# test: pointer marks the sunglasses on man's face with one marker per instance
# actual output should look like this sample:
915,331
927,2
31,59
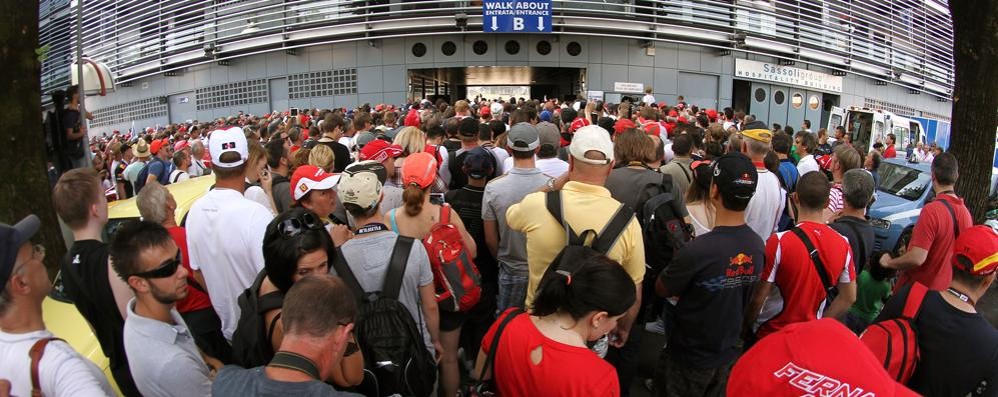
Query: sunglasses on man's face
164,270
293,227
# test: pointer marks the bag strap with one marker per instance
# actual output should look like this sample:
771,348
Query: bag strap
862,245
914,302
343,270
815,258
952,215
613,229
273,324
553,202
491,358
444,214
396,267
36,352
686,171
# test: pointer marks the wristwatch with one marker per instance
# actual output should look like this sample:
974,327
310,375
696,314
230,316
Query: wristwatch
551,185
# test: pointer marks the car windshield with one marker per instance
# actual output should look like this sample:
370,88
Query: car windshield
905,182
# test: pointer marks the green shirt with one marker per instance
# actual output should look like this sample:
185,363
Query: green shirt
870,297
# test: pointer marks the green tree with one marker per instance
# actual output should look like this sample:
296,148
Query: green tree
975,98
24,184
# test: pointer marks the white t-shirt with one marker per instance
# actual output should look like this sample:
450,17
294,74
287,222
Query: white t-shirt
225,242
257,194
197,168
807,164
61,371
766,205
179,176
501,157
648,99
552,167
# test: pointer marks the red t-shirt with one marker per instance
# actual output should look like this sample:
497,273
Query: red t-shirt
196,299
789,268
564,370
934,233
890,153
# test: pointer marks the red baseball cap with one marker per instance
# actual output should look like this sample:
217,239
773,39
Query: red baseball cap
308,178
420,169
711,114
485,111
158,144
976,250
622,125
379,150
807,359
181,145
412,119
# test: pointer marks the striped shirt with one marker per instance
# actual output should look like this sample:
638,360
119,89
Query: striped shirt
835,200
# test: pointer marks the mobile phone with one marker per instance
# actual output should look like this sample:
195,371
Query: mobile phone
294,112
437,198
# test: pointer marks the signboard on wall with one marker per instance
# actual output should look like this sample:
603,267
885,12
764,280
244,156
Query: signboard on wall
593,96
516,16
788,75
628,88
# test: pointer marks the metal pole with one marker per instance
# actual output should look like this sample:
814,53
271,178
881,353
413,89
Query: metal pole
79,75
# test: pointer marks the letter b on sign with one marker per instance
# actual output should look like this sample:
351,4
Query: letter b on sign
517,23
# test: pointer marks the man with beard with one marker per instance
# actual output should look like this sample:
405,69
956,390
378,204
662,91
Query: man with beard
165,360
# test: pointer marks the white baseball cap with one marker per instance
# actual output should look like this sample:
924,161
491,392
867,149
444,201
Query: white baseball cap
591,138
496,109
225,140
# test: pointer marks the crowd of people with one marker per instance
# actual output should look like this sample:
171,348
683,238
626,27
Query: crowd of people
516,247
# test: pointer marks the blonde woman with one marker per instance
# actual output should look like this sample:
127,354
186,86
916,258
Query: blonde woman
258,178
322,156
412,140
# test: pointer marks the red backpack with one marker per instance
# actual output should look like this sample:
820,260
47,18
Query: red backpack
455,277
894,341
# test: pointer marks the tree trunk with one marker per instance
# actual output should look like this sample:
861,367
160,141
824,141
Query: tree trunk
24,183
975,98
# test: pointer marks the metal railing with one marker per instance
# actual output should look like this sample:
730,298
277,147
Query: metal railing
904,42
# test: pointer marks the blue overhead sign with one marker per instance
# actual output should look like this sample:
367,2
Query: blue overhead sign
516,16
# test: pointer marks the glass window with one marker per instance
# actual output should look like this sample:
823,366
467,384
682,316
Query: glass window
797,100
813,102
779,97
905,182
760,95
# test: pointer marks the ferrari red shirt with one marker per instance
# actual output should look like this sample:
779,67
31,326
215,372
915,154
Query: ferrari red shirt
934,233
196,299
799,293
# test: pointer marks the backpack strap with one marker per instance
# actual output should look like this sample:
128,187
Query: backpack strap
914,302
613,229
685,170
552,201
396,267
273,324
862,245
36,352
491,358
444,214
343,270
952,214
819,266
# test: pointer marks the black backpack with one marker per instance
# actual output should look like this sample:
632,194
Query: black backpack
391,341
251,345
579,246
663,228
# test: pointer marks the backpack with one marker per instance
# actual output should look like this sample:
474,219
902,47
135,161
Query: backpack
162,178
663,229
251,346
789,214
894,341
391,341
589,243
456,279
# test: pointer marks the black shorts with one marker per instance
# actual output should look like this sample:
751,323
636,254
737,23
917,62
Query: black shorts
450,321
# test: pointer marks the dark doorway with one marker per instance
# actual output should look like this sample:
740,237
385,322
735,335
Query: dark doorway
462,83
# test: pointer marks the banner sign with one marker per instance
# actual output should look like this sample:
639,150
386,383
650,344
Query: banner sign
788,75
516,16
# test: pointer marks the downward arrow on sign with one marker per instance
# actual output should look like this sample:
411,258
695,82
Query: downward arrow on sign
495,26
540,24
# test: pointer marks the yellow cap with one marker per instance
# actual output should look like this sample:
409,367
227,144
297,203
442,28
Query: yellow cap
760,135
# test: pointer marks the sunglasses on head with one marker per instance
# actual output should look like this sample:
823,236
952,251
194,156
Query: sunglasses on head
292,227
164,270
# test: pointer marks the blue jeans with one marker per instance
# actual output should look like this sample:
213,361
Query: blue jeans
512,290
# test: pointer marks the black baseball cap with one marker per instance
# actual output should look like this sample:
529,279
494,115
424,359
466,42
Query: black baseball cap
468,127
735,177
11,240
